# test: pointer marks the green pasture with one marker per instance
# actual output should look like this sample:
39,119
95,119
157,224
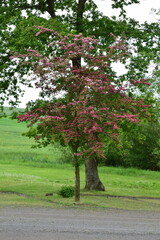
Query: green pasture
27,174
17,148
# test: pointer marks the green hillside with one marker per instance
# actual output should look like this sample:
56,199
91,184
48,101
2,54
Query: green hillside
15,148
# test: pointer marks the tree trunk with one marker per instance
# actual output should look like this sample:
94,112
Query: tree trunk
92,179
77,173
50,8
77,183
80,12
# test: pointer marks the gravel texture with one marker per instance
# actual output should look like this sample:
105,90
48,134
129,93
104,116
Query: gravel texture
77,224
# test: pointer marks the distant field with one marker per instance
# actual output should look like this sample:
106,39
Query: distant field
9,110
34,172
17,148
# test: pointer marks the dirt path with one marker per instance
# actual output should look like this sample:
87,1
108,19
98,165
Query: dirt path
74,224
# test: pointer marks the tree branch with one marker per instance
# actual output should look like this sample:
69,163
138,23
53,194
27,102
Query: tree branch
50,8
47,6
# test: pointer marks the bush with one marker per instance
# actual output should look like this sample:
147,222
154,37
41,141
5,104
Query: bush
67,191
138,149
145,154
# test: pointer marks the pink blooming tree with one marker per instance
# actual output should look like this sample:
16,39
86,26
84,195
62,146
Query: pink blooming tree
93,104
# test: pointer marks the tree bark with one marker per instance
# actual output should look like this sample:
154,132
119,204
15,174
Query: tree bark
93,181
77,172
50,8
77,181
80,11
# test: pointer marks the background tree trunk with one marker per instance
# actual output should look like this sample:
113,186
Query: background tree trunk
92,178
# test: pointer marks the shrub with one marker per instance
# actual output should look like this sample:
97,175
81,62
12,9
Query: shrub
145,154
67,191
139,149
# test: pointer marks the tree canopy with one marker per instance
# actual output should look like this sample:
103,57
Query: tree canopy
19,17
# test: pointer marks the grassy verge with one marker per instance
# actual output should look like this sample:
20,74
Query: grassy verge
35,172
36,182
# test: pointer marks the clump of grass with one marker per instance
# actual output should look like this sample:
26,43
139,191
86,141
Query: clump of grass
67,191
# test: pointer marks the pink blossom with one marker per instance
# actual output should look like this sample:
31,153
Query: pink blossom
54,117
78,35
92,112
133,120
90,108
12,57
38,33
103,109
148,84
95,116
78,154
84,112
115,126
49,64
85,41
88,79
109,123
85,130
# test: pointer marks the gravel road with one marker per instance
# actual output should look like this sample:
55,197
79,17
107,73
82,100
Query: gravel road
76,224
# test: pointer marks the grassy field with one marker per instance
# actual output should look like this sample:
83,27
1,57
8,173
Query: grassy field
16,148
35,172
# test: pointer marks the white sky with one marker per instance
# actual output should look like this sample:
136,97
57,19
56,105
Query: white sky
140,12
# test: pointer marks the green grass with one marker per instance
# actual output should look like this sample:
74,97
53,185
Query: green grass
36,182
35,172
17,148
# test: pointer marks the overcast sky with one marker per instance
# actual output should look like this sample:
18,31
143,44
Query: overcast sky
140,12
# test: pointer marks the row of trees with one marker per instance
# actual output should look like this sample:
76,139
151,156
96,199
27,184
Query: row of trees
140,148
95,102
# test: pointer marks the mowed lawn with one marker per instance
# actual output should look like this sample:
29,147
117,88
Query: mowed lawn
33,173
